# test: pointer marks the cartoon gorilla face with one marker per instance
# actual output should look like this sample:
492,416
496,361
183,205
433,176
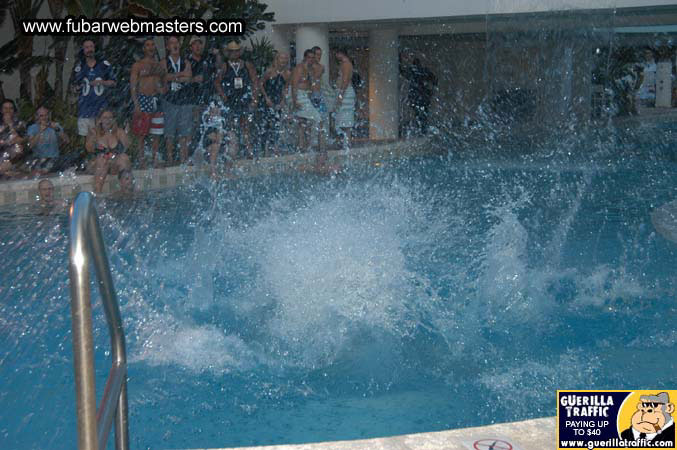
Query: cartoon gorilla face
651,416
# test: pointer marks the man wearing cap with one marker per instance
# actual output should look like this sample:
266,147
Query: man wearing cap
237,86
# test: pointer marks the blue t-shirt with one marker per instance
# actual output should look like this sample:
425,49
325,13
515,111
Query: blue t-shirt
92,99
48,145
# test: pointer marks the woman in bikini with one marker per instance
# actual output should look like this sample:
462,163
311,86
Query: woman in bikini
106,143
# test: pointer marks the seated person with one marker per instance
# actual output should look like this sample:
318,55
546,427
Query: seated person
12,138
43,140
214,125
107,144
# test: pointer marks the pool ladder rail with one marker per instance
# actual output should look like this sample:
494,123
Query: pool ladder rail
86,242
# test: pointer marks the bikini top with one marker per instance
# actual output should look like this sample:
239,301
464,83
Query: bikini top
118,148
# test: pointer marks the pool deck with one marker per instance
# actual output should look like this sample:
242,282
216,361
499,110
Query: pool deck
535,434
67,185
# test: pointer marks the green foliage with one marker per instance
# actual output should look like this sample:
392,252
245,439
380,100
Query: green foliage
123,51
26,110
261,54
664,52
619,74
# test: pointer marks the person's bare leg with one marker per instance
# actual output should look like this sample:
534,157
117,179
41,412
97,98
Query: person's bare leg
183,149
214,146
233,144
302,135
276,140
267,147
244,128
233,149
141,151
169,148
121,162
347,137
321,160
155,146
101,167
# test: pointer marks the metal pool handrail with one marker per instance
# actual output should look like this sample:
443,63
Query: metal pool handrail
86,242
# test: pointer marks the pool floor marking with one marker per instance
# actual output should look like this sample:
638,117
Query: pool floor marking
487,444
490,443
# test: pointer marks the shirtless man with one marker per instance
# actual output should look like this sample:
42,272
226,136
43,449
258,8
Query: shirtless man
317,72
301,90
147,82
344,105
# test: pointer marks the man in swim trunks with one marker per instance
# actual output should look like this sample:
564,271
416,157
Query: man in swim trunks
344,105
302,82
317,71
147,82
317,97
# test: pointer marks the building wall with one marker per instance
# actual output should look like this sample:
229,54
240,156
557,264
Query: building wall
316,11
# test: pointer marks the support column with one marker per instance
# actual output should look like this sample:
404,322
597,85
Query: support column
664,84
308,36
383,84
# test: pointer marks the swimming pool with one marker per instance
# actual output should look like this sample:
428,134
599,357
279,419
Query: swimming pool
408,297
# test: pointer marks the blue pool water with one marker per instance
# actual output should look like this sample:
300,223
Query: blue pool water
403,298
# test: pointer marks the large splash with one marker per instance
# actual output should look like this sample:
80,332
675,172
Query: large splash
344,269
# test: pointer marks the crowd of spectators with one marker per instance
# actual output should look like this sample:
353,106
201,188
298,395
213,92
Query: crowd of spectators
204,106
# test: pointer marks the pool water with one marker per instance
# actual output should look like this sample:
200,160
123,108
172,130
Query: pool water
409,297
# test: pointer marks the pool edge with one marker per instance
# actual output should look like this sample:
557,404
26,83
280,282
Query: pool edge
533,434
67,185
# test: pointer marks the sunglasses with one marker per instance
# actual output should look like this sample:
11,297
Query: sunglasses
651,404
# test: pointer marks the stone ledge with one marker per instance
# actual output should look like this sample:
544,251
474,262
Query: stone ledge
66,186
